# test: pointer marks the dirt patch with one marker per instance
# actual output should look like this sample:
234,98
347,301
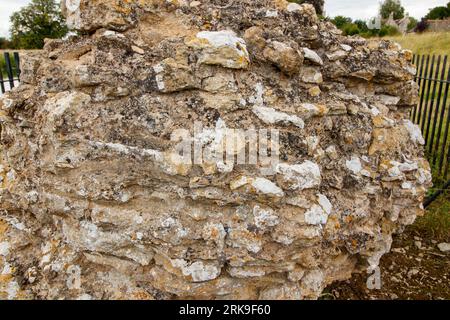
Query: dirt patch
415,269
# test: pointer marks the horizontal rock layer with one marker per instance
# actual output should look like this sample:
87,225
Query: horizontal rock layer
96,204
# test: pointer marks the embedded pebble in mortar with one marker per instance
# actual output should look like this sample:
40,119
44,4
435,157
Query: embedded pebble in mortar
159,78
414,132
325,203
286,58
258,99
354,165
236,272
300,176
4,248
308,110
291,7
197,270
271,13
271,116
312,56
264,186
313,282
311,75
316,215
237,183
221,48
265,218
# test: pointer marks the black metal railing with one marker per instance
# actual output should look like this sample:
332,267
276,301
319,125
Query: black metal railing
432,114
9,71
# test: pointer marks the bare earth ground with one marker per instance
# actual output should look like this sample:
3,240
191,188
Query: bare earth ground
415,269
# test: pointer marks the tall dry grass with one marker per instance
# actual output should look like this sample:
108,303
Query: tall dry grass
425,43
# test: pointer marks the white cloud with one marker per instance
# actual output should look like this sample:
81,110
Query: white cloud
8,7
366,9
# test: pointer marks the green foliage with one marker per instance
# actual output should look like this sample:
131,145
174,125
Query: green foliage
340,21
436,223
2,65
362,25
438,13
388,31
350,29
389,6
359,27
32,24
5,44
412,23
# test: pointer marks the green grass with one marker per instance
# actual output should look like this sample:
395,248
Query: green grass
425,43
438,177
436,223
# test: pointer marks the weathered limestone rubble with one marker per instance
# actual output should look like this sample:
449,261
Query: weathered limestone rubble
318,5
95,205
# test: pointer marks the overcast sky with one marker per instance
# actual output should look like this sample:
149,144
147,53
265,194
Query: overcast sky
363,9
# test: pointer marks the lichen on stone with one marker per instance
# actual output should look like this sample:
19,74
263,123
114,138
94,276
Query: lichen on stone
100,199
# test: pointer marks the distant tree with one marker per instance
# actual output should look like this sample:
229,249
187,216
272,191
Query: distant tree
340,21
39,20
388,31
389,6
438,13
5,43
422,26
350,29
362,25
412,23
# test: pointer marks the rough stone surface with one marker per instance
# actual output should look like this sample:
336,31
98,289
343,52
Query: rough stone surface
95,205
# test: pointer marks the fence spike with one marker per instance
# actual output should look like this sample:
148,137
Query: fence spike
427,96
440,114
2,85
9,71
416,116
444,144
17,64
431,110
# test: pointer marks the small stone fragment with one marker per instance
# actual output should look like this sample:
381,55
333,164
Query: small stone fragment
271,116
300,176
137,50
312,56
284,57
311,75
222,48
444,247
